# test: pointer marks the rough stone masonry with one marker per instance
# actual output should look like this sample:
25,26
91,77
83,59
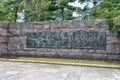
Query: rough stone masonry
13,39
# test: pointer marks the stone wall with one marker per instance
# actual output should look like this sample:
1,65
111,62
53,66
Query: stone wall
3,38
16,38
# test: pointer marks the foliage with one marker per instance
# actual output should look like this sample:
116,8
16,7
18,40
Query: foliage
5,13
109,9
116,23
35,10
32,9
61,10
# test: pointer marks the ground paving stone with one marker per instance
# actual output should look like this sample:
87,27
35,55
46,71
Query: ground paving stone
37,71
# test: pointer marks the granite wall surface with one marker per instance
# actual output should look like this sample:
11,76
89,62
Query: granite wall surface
13,39
3,38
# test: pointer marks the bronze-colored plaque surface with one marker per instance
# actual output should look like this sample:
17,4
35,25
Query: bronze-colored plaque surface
67,40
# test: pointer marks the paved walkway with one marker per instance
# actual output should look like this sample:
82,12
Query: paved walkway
36,71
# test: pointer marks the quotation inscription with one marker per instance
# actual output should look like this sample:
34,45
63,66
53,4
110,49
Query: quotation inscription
68,40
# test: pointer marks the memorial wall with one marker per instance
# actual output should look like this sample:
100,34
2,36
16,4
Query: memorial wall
67,40
64,39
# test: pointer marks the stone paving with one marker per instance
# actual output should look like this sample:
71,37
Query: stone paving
37,71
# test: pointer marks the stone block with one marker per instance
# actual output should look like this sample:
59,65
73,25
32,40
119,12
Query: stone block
39,26
27,26
27,53
3,49
14,32
10,52
118,49
0,52
41,54
78,24
3,25
101,30
39,29
111,34
44,50
90,23
99,56
101,52
81,54
111,40
60,24
84,51
15,26
113,57
112,48
17,40
67,24
3,52
3,39
67,55
99,22
105,26
24,31
14,46
91,51
74,51
3,32
85,56
48,26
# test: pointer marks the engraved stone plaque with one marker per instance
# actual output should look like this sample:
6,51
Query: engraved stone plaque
67,40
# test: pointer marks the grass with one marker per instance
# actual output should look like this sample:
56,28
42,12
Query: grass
85,61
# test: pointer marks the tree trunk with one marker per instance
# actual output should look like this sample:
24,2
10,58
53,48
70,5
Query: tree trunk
16,16
62,13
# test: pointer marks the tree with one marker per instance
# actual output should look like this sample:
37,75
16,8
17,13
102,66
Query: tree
5,13
65,11
10,10
34,8
60,10
2,10
116,23
110,10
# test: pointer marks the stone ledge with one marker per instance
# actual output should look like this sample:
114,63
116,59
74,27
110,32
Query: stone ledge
62,63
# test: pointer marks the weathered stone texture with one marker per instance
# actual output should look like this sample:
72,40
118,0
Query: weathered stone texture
3,38
13,39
